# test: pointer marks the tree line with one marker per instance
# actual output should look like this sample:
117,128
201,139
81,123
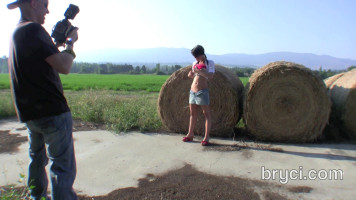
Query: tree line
322,73
110,68
3,65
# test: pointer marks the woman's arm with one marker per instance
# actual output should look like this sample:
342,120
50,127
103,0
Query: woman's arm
191,74
205,73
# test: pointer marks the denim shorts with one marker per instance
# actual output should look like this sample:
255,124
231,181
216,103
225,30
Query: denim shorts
200,98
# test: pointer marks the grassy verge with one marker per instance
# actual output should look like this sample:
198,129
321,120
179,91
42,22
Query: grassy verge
119,111
7,108
122,102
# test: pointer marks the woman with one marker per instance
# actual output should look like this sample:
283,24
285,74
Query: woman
202,71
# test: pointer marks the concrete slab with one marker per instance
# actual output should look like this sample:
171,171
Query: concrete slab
108,161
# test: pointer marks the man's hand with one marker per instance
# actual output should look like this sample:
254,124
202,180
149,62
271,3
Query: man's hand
62,62
73,35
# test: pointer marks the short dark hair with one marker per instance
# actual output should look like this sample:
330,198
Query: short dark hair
197,51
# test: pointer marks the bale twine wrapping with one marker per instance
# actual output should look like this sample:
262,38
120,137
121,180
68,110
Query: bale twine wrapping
225,93
343,96
286,102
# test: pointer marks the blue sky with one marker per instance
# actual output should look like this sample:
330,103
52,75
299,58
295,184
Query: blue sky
322,27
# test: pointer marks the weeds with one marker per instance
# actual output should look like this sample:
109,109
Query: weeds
121,112
7,108
11,192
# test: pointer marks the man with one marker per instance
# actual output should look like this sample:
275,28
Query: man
34,64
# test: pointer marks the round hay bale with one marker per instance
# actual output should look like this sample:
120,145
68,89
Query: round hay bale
225,92
343,96
286,102
329,81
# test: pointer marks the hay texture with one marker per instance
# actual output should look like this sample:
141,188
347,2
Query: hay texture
329,81
286,102
225,94
342,92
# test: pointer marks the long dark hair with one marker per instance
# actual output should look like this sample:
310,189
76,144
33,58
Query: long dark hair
199,50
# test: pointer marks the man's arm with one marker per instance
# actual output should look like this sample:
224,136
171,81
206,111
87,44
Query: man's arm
62,62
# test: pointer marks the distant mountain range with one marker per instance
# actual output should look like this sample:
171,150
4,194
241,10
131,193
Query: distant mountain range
183,56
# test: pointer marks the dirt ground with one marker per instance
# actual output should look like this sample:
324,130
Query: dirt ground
183,183
10,142
188,183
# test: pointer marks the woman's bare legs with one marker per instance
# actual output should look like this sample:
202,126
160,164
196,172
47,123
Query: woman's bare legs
192,120
207,114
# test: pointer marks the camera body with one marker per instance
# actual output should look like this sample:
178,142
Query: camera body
64,27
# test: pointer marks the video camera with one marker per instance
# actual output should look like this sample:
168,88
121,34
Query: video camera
64,27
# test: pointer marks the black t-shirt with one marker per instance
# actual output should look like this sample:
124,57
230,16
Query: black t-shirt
36,86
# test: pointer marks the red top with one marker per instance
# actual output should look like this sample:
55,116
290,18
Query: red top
200,66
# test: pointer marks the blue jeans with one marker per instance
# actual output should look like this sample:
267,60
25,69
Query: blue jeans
55,133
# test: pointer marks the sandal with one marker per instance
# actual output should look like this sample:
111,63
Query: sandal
205,143
187,139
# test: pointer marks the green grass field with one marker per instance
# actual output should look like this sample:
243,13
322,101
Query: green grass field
4,81
122,102
122,82
150,83
119,82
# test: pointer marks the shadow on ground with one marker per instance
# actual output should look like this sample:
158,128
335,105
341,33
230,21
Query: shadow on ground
9,143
